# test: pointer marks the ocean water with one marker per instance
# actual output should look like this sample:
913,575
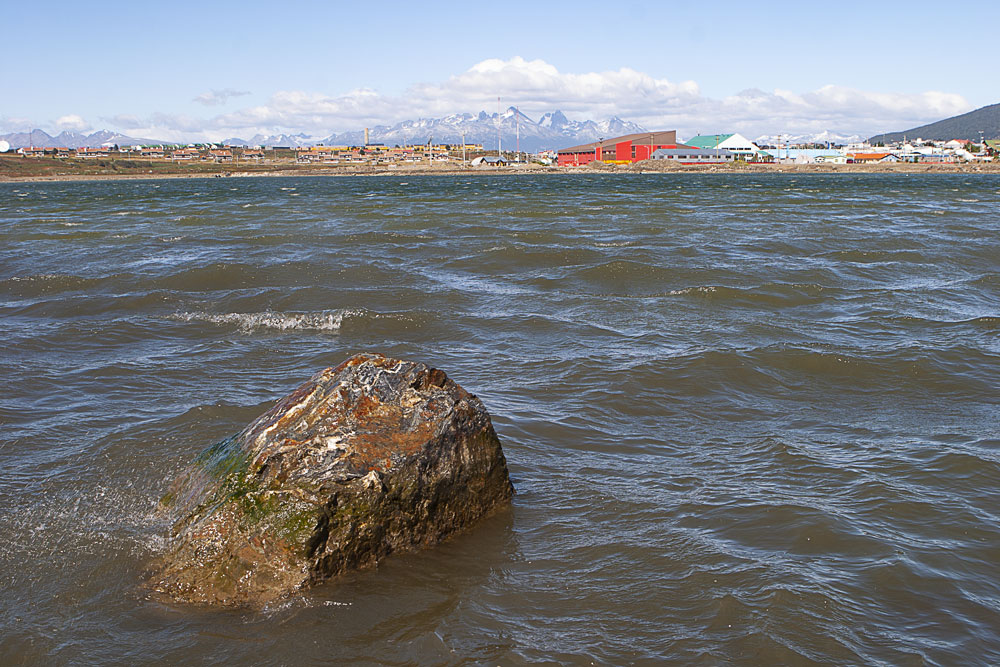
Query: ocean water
750,419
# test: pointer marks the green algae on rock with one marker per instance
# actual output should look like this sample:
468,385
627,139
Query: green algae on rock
375,456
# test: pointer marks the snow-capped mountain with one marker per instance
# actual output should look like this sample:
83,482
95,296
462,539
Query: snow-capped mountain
513,128
289,140
825,137
72,139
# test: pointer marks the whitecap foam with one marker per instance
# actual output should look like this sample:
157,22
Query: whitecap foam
41,277
249,322
703,289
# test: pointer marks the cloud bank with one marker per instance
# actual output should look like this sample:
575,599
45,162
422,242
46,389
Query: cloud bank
536,87
72,123
218,97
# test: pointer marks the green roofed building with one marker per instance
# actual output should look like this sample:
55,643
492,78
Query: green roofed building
740,146
707,141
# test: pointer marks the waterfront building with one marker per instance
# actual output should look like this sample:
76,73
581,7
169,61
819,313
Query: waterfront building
865,158
693,155
808,155
619,150
741,147
86,153
489,161
185,154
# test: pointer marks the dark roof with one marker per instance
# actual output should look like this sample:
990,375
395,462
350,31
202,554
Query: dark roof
691,151
662,137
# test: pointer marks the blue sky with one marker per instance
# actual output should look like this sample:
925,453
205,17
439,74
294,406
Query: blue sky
214,69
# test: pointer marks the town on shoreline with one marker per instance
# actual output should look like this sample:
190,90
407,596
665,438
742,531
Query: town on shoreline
635,153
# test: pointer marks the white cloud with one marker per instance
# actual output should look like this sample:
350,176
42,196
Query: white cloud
164,127
836,108
125,121
537,87
217,97
16,124
72,123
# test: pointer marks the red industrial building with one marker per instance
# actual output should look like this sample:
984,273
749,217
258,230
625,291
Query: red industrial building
619,150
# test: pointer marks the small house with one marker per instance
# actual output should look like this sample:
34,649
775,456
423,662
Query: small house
868,158
489,161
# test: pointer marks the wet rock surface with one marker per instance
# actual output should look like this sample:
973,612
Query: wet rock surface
373,457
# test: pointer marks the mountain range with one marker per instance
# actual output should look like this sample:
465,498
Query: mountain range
514,129
826,137
43,139
966,126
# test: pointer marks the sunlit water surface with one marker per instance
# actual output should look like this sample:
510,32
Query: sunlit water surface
750,419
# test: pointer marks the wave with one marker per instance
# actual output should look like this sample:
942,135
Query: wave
988,322
769,294
878,256
323,321
802,373
50,283
277,321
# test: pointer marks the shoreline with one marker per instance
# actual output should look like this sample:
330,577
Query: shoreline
438,170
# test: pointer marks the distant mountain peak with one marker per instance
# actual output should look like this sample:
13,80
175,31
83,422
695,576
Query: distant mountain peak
555,120
552,131
824,137
67,139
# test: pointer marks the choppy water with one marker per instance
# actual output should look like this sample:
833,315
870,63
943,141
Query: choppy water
751,419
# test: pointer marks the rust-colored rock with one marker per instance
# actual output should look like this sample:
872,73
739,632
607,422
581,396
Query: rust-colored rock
375,456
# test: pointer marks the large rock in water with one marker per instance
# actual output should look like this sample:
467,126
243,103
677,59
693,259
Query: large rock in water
375,456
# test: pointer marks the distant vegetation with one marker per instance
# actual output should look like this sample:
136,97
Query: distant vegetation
16,166
967,126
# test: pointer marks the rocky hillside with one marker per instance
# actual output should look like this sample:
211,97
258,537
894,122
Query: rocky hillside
967,126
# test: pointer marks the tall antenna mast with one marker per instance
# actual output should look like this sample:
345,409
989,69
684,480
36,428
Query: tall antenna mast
499,126
517,121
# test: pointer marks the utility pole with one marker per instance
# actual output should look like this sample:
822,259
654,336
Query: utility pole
499,127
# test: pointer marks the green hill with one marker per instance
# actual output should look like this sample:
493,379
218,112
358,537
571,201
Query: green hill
967,126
